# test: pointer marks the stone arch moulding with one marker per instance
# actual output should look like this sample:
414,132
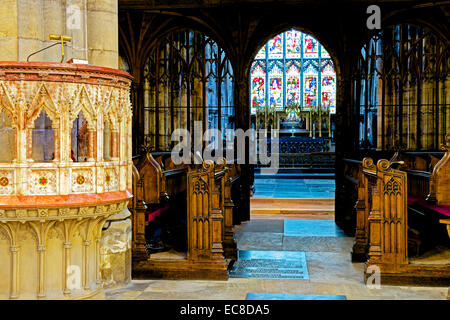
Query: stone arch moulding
8,105
111,110
42,101
83,103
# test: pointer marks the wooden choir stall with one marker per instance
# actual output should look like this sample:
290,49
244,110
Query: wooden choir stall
402,208
191,208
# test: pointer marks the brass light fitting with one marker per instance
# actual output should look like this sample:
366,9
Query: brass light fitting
62,39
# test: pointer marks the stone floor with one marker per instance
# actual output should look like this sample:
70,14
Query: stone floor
330,270
294,188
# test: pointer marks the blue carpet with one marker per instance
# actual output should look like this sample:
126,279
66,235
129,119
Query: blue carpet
290,296
295,188
312,228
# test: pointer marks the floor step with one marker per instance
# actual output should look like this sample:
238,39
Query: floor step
273,206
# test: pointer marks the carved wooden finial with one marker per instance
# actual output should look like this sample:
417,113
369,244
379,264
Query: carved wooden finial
446,146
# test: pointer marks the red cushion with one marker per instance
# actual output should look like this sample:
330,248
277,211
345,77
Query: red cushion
412,200
152,215
442,209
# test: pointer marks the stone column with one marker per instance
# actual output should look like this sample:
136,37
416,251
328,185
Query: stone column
102,33
114,149
29,145
9,30
92,136
57,154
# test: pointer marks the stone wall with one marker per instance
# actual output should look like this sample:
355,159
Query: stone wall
25,26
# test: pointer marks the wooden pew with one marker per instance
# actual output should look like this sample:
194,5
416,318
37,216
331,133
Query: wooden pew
446,222
387,192
428,194
231,208
154,186
208,207
419,167
440,178
356,180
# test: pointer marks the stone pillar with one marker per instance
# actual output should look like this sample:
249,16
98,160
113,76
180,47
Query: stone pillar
161,114
9,30
242,98
102,33
147,105
92,24
427,117
152,116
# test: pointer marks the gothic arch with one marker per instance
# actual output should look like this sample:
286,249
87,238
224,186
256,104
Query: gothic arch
408,80
42,101
83,103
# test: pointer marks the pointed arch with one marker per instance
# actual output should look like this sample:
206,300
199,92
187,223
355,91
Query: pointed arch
293,82
83,103
42,101
401,82
111,110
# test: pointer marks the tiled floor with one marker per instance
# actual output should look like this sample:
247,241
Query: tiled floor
329,266
294,188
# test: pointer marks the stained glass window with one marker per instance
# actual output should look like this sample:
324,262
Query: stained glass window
310,46
276,87
328,84
293,44
258,85
276,47
293,67
293,84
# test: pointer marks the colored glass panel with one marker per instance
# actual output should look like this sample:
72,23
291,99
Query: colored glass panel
261,53
310,91
276,87
328,86
311,47
258,78
324,53
276,47
295,73
293,44
276,91
293,85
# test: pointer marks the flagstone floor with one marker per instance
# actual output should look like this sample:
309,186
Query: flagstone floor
329,268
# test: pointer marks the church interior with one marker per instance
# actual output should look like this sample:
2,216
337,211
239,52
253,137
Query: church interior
139,139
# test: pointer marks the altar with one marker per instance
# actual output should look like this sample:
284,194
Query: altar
295,121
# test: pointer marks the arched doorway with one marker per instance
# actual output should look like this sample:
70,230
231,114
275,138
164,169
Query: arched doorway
293,93
293,85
